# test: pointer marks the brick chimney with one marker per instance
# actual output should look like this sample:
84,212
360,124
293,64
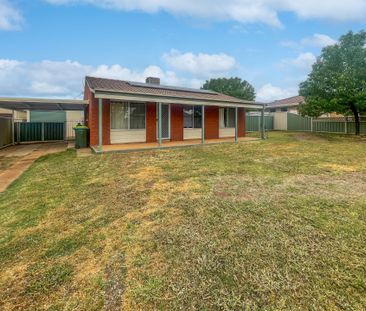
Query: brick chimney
153,80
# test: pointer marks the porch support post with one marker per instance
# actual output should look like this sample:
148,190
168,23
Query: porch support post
203,124
159,124
13,128
100,123
236,124
263,126
42,131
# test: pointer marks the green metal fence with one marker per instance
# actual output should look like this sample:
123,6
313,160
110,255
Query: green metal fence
329,126
252,123
39,131
298,123
325,125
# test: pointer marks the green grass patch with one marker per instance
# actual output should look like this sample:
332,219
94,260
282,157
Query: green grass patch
266,225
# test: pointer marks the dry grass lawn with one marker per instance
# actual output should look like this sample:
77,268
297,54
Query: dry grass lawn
273,225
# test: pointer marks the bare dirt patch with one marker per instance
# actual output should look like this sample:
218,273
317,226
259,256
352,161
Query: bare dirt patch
348,186
309,137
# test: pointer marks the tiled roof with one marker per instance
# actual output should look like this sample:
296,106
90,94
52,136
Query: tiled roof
291,101
111,85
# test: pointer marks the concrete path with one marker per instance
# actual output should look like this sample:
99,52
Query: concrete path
26,155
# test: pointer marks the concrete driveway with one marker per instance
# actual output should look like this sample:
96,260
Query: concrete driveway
14,160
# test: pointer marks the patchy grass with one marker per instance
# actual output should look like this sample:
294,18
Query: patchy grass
274,225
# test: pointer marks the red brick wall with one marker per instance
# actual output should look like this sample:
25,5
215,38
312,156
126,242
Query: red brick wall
150,122
106,122
176,122
92,120
211,122
241,122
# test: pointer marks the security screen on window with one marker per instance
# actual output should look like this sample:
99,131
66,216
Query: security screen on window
192,117
227,116
127,116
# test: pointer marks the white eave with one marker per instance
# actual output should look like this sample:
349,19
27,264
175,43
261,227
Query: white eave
129,96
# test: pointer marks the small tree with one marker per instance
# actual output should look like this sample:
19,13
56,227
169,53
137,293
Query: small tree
235,87
337,82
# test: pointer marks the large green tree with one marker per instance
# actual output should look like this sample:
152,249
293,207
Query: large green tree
235,87
337,82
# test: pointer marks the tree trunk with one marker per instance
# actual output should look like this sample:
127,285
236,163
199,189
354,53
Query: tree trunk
357,119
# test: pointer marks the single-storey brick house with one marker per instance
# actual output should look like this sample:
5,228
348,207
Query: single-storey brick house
123,112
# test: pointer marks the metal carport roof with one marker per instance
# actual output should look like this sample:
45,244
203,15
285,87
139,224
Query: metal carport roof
46,104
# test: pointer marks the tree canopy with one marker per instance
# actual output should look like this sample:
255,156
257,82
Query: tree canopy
235,87
337,82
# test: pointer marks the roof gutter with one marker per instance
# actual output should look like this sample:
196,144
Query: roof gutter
128,96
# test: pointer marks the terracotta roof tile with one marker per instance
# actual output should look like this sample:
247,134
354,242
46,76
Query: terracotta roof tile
102,84
287,101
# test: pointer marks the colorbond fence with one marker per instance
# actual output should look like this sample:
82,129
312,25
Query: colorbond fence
39,131
6,132
325,125
253,123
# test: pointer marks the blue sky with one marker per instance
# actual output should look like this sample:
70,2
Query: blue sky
48,46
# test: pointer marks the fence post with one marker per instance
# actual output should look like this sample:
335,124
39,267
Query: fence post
311,125
13,129
42,131
18,132
345,126
65,130
263,125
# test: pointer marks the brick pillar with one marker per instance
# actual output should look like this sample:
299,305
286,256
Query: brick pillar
93,120
176,122
211,122
106,121
150,122
241,122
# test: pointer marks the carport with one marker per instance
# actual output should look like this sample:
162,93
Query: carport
16,132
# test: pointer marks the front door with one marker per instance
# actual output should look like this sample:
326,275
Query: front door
165,121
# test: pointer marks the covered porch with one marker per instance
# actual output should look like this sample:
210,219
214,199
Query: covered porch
131,147
163,125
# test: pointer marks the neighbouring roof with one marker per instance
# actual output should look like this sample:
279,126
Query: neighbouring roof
101,85
291,101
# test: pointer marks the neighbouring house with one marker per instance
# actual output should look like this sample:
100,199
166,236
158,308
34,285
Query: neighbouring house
20,115
123,112
290,104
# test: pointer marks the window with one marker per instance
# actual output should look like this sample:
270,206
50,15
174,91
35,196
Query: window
127,116
272,110
284,109
192,117
227,117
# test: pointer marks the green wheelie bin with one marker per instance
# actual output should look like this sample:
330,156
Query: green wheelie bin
81,136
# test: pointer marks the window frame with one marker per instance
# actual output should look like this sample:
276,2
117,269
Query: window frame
192,117
128,116
225,112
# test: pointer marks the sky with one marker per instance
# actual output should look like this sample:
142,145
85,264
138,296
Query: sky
47,47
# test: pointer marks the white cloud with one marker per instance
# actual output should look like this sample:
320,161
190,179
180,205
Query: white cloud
243,11
302,62
202,65
269,93
318,40
10,18
65,78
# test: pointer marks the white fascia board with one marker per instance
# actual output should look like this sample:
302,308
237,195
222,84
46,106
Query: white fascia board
172,100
